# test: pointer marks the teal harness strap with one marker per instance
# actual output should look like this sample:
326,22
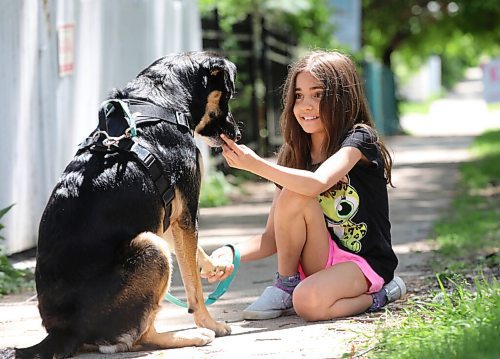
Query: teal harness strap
222,287
129,117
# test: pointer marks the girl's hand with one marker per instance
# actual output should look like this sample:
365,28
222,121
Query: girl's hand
238,156
222,256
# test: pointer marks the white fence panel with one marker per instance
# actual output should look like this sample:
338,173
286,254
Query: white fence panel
44,114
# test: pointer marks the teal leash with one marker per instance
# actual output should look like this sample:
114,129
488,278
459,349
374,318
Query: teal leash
222,287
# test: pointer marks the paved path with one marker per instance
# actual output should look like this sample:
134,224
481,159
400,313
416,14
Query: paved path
425,176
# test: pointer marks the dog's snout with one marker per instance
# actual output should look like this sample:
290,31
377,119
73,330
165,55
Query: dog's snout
234,131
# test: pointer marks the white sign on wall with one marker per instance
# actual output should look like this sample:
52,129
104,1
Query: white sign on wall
66,49
491,81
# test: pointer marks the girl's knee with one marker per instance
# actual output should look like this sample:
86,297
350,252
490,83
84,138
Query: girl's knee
292,202
307,303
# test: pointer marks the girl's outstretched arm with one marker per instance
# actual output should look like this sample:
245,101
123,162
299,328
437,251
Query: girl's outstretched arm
254,248
300,181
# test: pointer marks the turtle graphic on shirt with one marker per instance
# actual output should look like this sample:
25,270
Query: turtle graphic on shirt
339,206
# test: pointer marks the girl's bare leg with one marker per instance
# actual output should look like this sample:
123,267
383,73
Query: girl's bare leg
334,292
300,233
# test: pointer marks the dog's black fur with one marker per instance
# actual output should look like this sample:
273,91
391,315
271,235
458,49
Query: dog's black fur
102,267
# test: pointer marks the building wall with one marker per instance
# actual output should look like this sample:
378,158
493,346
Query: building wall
44,112
425,84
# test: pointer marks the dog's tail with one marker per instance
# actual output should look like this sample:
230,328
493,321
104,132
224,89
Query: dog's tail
64,345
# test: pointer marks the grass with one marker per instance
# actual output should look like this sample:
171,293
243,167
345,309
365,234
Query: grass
461,324
416,107
495,106
474,224
407,107
461,320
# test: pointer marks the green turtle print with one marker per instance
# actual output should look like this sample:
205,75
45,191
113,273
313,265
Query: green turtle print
339,206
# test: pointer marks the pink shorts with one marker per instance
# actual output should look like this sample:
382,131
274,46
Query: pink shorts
337,255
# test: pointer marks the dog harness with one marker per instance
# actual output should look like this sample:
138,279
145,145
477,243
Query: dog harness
117,131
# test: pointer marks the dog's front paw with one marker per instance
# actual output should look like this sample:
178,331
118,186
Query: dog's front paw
217,264
220,328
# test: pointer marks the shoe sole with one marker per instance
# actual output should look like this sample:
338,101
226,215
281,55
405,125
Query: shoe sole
266,314
401,285
397,291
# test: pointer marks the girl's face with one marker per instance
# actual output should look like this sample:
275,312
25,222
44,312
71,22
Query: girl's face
308,94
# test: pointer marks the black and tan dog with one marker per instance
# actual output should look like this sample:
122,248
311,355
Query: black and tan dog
103,265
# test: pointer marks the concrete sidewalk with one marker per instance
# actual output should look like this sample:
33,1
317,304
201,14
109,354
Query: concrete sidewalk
425,176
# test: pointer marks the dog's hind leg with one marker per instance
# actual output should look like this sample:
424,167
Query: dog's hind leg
128,322
187,338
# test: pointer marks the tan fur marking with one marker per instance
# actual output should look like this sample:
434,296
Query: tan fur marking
212,106
143,280
159,230
140,279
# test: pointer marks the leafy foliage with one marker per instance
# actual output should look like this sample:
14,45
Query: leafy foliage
409,31
307,20
2,213
215,190
11,279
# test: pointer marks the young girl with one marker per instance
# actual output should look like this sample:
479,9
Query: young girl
329,219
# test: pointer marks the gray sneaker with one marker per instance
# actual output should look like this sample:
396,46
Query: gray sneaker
395,289
272,303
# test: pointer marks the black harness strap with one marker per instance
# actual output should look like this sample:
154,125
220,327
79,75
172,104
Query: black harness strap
112,122
166,191
147,112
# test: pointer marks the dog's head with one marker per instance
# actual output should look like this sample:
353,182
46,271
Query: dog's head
199,84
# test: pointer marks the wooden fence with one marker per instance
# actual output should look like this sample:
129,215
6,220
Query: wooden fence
262,55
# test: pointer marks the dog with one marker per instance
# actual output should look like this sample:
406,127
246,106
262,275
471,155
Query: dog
103,261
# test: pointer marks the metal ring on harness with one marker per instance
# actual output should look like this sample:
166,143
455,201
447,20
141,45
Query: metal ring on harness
110,140
221,288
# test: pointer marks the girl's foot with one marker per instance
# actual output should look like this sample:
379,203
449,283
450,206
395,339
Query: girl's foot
395,289
272,303
390,292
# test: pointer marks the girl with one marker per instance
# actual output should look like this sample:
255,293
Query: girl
329,221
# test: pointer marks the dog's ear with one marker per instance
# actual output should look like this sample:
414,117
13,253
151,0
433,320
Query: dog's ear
219,70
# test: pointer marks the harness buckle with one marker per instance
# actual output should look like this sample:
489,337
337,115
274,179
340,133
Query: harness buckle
181,119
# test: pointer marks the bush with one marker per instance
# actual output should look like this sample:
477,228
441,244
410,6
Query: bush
215,190
11,279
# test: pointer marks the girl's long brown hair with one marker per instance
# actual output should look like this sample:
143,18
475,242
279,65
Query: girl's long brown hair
343,107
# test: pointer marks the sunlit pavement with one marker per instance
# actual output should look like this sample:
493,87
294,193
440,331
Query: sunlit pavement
425,176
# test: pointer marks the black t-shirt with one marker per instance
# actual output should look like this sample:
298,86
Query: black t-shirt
357,210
